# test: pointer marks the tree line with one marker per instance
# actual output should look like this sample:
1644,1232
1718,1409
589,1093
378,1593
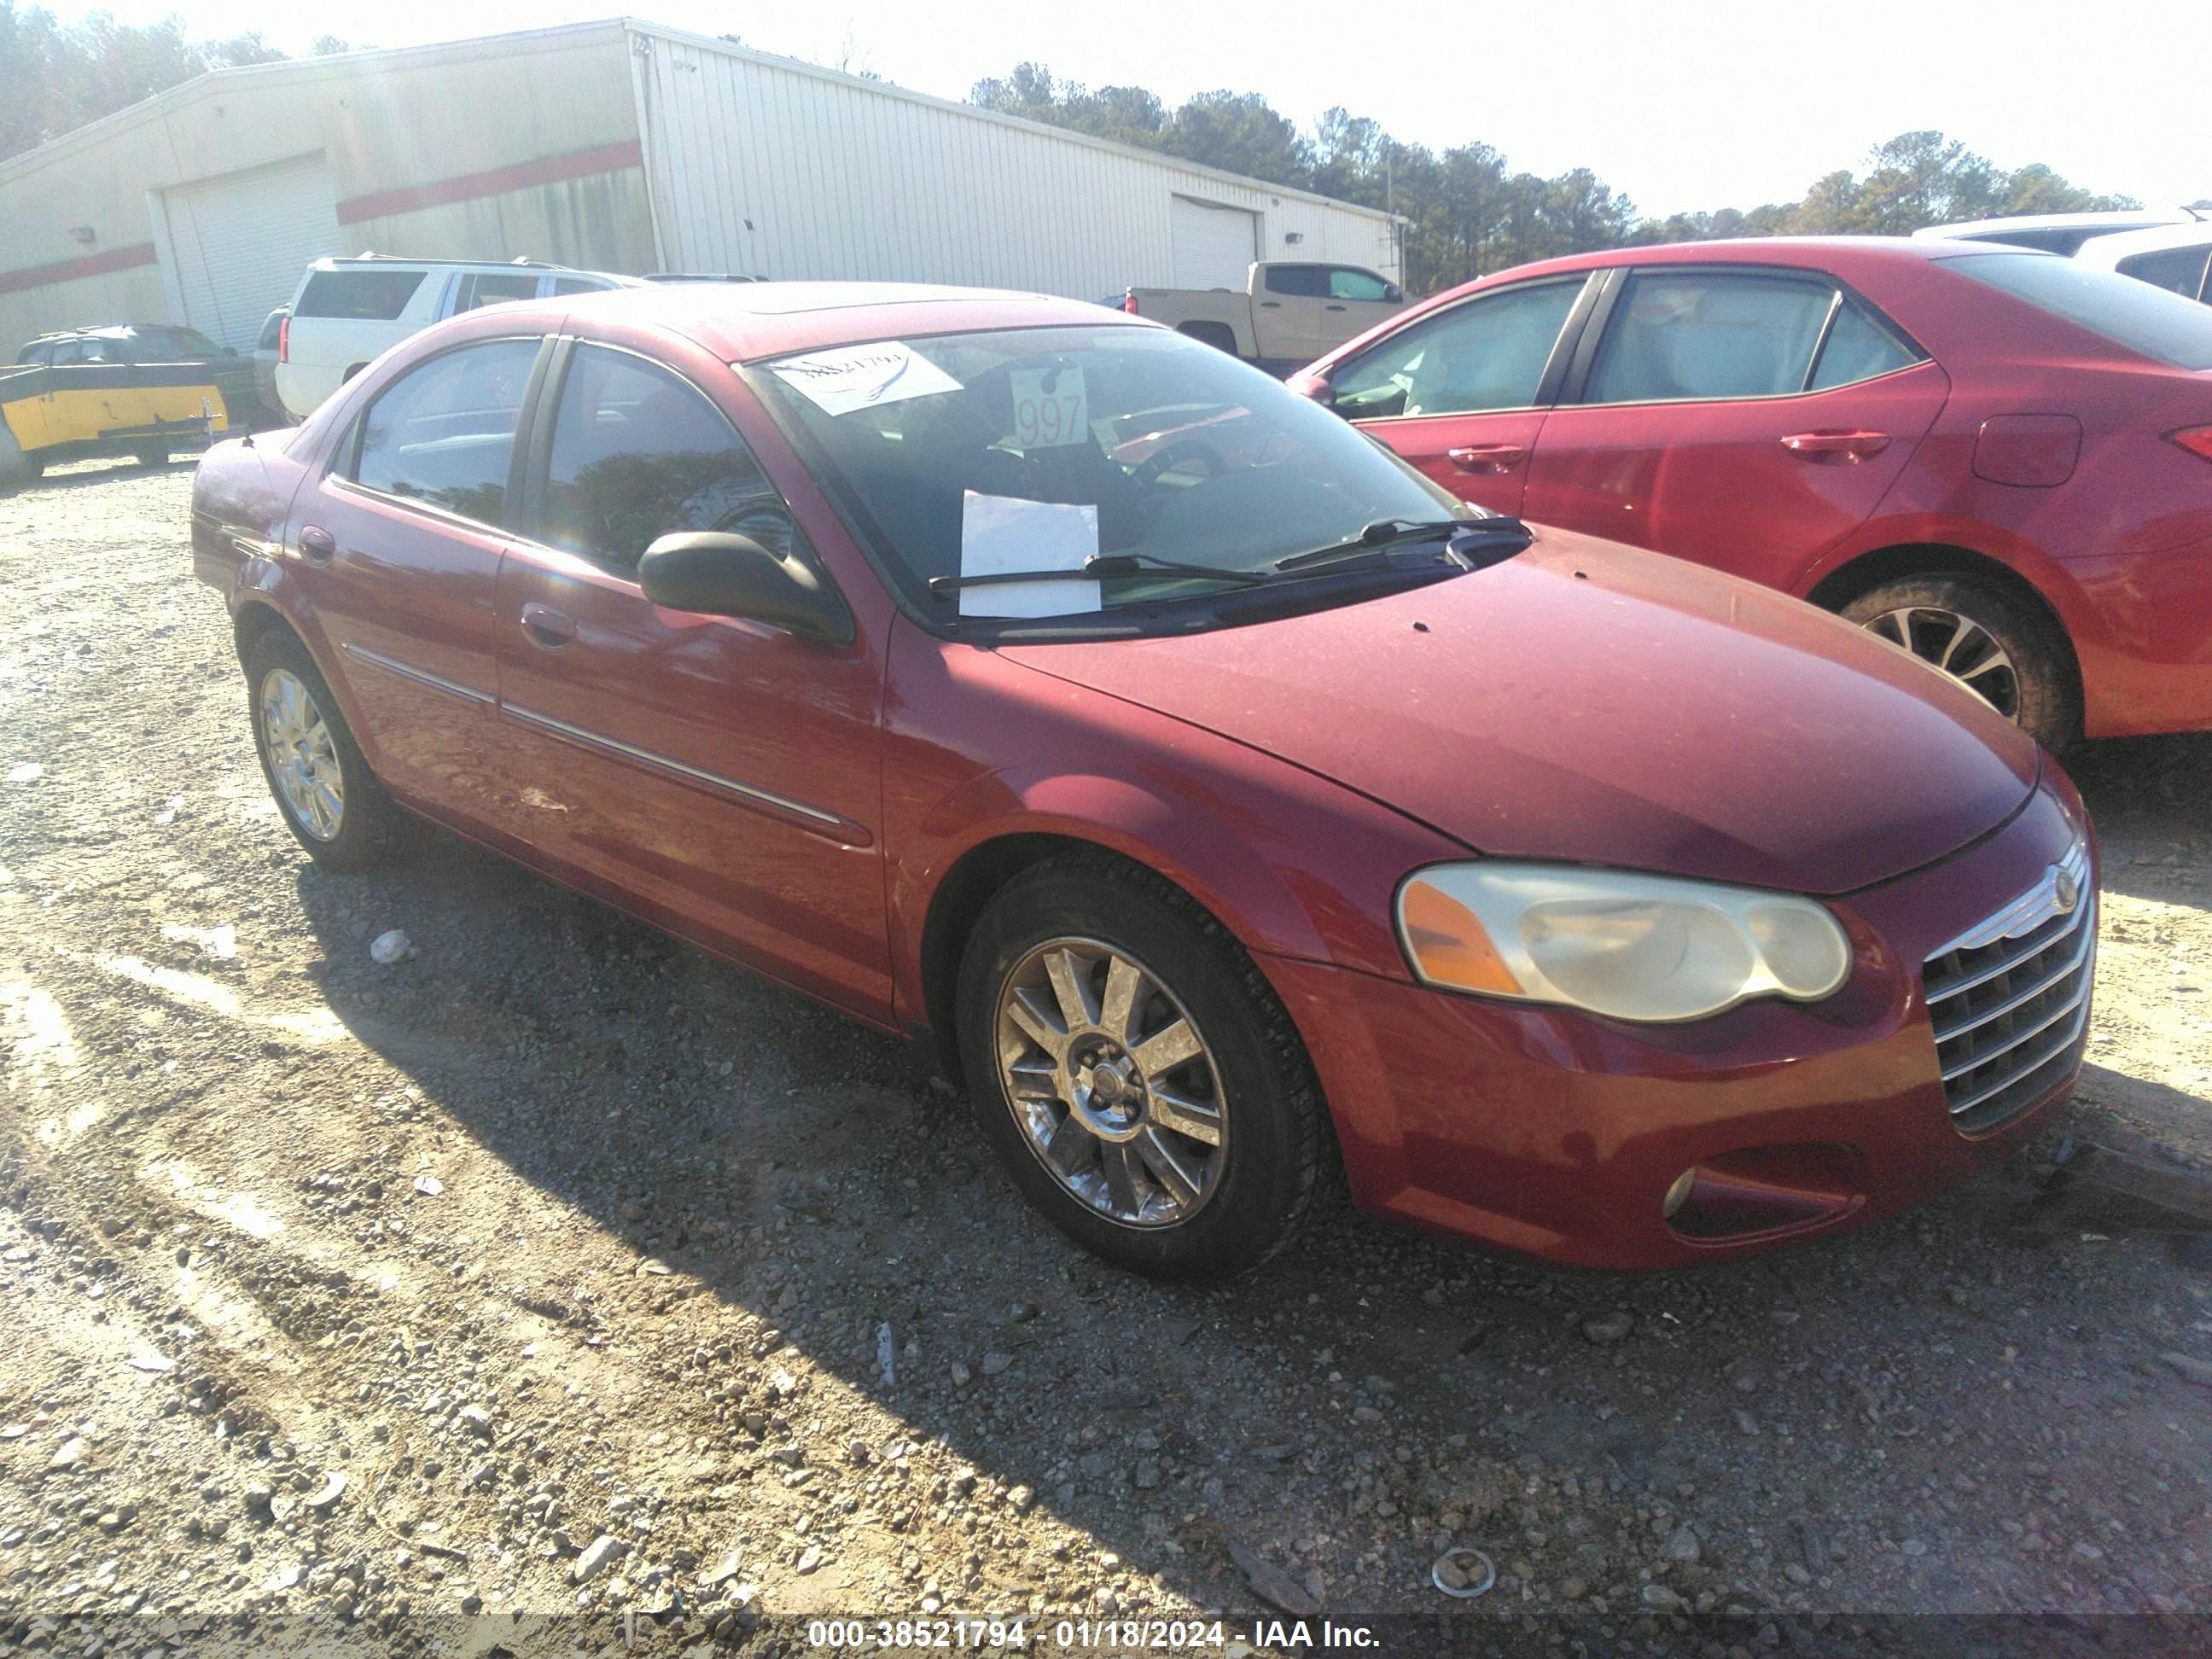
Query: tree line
56,77
1468,212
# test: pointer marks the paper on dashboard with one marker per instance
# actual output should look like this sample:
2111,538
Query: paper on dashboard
1001,533
847,378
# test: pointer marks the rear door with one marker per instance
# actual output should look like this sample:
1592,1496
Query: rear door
1746,417
1287,312
399,544
1356,301
723,775
1462,393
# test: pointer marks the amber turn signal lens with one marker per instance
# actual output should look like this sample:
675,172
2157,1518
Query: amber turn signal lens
1449,944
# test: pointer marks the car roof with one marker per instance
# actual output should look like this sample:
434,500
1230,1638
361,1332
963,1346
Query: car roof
2119,219
1838,254
2107,250
742,322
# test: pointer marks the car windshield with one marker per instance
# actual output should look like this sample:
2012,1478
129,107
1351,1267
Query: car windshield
2160,325
973,451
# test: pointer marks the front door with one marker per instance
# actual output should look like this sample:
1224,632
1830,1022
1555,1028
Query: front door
1745,419
1355,301
398,546
1461,394
722,775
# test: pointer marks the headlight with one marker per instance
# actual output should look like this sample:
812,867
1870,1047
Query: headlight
1616,943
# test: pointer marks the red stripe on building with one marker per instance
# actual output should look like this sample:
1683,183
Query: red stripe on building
495,181
69,271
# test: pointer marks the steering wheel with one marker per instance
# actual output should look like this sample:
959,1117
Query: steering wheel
1165,459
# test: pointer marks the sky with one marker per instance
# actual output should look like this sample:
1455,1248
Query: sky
1716,103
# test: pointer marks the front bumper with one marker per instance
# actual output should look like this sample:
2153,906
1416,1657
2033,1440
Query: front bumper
1557,1134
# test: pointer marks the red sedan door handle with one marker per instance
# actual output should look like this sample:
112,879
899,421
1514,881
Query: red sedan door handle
317,544
542,625
1836,447
1488,458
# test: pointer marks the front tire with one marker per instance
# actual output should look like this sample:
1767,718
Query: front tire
17,470
329,798
1988,641
1135,1073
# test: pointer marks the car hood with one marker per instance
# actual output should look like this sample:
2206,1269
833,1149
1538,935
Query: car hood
1590,702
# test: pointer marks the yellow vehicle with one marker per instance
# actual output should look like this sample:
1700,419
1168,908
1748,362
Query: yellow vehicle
107,392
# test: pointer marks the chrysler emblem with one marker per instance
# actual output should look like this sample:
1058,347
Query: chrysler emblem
2067,890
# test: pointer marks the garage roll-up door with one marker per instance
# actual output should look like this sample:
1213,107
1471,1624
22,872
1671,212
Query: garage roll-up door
236,245
1214,246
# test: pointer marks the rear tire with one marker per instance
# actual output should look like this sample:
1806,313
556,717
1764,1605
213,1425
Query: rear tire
1219,336
328,798
1123,1175
152,458
17,470
1988,640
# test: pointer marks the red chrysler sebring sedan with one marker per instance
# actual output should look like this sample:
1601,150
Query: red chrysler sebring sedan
1996,458
1219,796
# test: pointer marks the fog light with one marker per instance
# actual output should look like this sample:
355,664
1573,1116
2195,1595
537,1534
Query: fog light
1679,1194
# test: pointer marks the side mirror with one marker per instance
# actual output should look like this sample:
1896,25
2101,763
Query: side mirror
724,575
1392,294
1315,387
230,351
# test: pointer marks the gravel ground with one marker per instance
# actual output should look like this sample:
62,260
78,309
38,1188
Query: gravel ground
559,1270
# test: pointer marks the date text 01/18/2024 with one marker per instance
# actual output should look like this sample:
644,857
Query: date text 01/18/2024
1079,1635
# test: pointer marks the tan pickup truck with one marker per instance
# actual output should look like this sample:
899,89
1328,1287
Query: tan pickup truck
1287,315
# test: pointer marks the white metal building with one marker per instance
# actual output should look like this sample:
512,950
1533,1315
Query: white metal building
616,145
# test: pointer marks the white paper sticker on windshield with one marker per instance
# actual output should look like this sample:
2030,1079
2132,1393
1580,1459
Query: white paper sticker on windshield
1050,409
847,378
1001,533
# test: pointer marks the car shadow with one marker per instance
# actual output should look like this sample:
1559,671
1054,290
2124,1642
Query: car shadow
1366,1399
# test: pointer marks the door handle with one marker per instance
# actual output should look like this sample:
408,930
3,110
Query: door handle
317,544
543,626
1836,448
1488,458
1271,305
1336,307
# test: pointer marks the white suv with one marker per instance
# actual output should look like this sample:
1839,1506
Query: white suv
2054,232
2172,256
348,311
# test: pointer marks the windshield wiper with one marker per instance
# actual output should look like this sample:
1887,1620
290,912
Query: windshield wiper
1384,533
1096,566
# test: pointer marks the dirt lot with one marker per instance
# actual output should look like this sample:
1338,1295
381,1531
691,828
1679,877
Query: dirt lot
560,1270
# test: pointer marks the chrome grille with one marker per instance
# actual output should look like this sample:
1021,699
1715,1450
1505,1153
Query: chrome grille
2009,999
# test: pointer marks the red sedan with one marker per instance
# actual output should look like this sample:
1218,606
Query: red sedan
1217,795
1997,458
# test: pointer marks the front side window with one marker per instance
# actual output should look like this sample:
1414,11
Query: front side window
2147,320
443,433
2177,269
1694,334
173,345
1488,353
1346,284
84,351
377,296
1178,450
491,288
638,454
579,285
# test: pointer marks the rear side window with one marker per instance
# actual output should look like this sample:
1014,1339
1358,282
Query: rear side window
2177,269
578,285
1682,335
493,287
1487,353
1300,282
638,454
1857,348
2160,325
377,296
443,433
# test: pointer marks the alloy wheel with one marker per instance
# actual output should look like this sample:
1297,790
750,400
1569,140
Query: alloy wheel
1959,645
1113,1085
302,758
